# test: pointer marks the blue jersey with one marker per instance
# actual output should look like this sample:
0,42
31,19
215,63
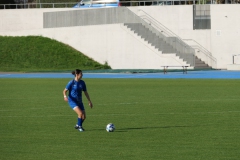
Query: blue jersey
75,90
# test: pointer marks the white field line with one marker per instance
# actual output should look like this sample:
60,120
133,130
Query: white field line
4,75
16,109
110,104
124,114
184,99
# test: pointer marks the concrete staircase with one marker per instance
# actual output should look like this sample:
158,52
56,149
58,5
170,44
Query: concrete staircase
161,45
150,37
199,64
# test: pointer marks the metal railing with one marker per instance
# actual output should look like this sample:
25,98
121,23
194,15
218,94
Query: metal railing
203,53
124,15
183,50
38,5
122,3
197,48
113,16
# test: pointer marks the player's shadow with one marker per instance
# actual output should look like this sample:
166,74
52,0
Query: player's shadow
143,128
140,128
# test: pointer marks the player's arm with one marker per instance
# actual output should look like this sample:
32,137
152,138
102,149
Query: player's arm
65,94
89,100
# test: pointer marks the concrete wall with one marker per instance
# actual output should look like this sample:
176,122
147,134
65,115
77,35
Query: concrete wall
224,20
225,33
114,44
124,50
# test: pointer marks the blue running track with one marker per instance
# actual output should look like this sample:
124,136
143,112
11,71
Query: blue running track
219,74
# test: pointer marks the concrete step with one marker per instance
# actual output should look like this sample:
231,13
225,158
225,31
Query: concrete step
199,64
152,38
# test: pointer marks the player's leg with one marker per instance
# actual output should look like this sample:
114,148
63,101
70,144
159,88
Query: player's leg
81,106
83,116
80,114
75,107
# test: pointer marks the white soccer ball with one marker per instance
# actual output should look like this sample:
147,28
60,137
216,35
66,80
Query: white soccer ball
110,127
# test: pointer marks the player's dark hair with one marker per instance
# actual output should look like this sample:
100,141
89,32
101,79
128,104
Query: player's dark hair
76,71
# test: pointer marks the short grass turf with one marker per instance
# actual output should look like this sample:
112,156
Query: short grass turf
36,53
154,119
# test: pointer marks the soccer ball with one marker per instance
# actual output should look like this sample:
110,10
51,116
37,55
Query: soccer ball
110,127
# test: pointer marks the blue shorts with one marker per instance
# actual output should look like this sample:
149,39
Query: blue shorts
73,104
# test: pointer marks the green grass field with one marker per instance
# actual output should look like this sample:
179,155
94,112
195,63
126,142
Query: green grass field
154,118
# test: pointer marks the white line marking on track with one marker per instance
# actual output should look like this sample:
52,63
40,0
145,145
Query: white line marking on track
132,76
4,75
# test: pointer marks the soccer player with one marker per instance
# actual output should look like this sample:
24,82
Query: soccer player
75,88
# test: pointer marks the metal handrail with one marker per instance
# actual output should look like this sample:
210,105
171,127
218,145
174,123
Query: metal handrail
202,49
182,48
38,5
170,33
161,26
163,29
130,3
28,5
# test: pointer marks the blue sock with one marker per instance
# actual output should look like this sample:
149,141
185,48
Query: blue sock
80,122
